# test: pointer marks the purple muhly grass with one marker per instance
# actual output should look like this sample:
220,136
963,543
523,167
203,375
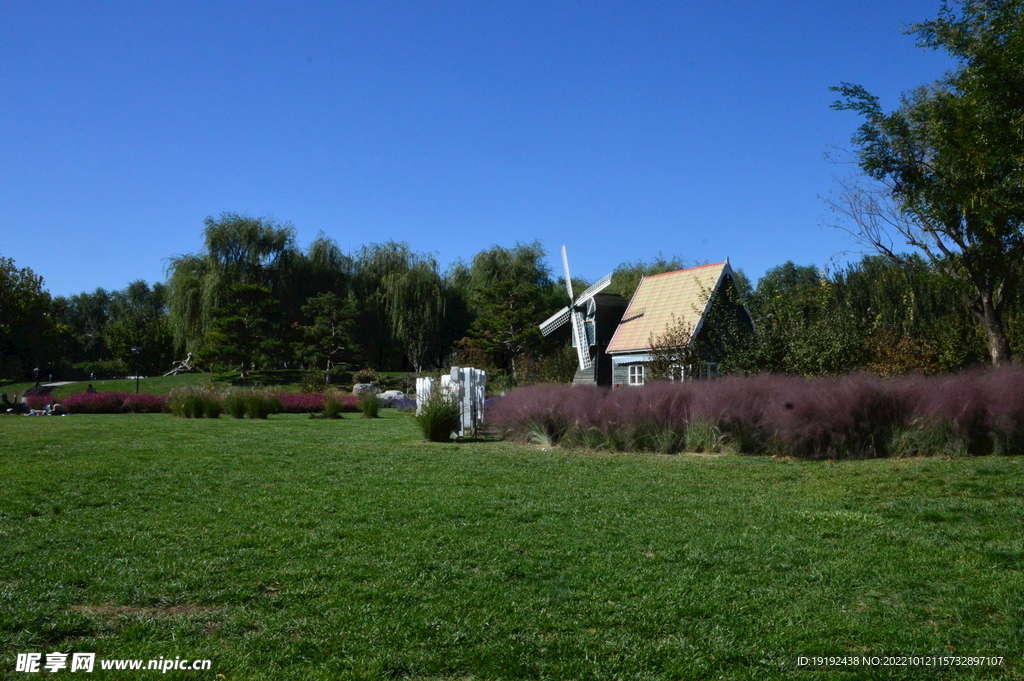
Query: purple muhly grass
537,412
847,416
292,403
38,401
1004,389
956,401
144,403
96,403
737,406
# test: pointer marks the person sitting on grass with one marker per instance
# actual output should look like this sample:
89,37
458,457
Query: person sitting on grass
91,390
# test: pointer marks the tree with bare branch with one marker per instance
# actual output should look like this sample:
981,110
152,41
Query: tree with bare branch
944,172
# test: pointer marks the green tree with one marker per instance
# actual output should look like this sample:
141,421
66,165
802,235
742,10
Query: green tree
242,330
416,303
137,318
804,326
510,294
947,166
26,325
327,336
238,249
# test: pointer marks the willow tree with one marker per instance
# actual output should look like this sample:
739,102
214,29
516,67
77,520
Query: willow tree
238,249
946,167
416,302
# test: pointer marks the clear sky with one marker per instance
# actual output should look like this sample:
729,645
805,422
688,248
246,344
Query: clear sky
620,129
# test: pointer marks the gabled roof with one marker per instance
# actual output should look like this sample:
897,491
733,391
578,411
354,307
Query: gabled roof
683,293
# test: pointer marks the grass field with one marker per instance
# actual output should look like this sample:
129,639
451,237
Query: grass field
308,549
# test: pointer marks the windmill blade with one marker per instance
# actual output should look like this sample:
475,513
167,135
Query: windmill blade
568,280
579,334
591,291
554,321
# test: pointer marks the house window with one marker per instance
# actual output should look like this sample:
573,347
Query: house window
636,374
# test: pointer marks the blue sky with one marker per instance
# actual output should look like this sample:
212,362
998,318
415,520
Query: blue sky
621,129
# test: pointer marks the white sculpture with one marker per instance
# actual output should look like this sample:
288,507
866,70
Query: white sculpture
464,385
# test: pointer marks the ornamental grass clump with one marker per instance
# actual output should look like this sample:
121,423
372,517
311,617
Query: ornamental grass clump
193,402
370,404
256,403
335,405
438,416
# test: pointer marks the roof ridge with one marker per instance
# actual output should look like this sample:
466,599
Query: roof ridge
697,267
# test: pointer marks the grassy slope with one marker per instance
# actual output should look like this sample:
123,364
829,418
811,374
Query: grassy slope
301,549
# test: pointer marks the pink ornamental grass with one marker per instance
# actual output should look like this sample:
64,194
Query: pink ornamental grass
38,401
145,404
95,403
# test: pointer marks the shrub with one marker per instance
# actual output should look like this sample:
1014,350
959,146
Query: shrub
370,404
366,376
195,402
259,404
438,416
703,436
313,382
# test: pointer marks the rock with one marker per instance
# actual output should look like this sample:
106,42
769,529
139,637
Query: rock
364,388
389,397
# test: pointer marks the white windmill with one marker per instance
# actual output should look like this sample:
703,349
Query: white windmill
576,313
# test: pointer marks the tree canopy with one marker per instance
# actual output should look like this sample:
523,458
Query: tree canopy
947,165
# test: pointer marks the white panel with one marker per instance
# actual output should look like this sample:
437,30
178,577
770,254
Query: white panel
554,321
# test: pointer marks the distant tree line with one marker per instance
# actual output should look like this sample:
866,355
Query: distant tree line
253,299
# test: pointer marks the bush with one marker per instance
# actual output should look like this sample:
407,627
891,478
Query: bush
195,402
366,376
313,382
370,404
438,417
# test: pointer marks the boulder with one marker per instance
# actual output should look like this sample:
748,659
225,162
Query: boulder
364,388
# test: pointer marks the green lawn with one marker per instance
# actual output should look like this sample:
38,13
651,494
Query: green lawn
308,549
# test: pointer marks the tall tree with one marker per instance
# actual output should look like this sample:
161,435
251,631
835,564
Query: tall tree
238,249
326,338
26,326
948,164
510,290
416,302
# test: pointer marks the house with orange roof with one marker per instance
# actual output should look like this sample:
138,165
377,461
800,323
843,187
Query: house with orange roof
697,297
